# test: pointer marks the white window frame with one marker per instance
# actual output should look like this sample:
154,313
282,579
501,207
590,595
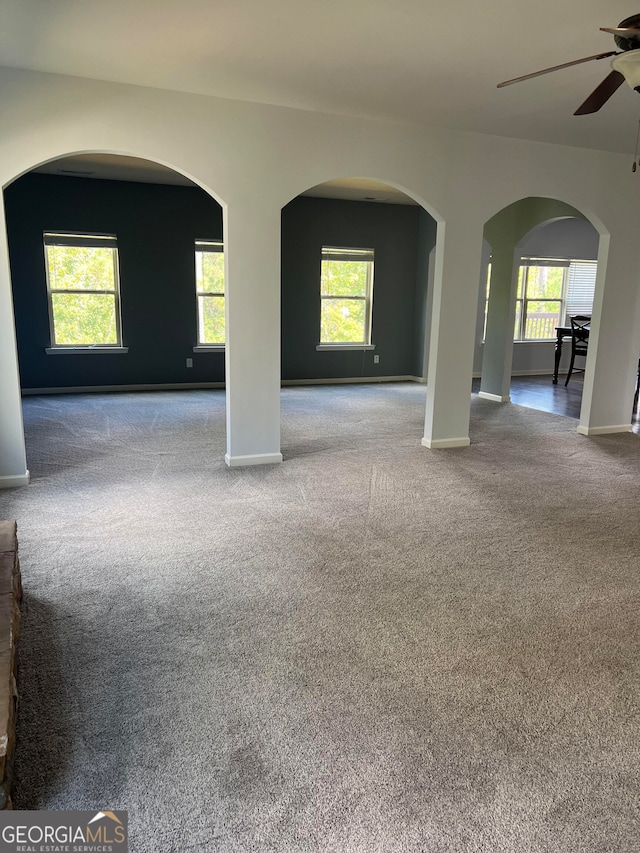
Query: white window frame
202,246
83,240
336,253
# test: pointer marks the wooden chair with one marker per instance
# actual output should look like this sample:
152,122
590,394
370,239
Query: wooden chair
579,342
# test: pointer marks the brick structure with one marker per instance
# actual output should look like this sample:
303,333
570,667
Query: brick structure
10,596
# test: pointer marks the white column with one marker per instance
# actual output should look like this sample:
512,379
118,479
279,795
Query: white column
455,305
13,460
497,354
614,341
252,259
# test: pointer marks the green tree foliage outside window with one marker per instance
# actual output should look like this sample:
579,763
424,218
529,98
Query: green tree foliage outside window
211,293
539,300
83,294
345,294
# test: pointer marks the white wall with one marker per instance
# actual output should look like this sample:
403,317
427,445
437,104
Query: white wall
256,158
565,238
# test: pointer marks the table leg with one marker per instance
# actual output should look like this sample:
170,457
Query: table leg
557,359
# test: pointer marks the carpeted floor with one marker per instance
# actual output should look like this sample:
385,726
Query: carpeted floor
371,648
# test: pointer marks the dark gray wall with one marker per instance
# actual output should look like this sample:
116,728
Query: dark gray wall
393,231
156,228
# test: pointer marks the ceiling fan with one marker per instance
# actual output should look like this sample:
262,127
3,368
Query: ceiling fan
626,66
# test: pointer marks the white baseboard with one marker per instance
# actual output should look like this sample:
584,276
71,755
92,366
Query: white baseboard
495,397
352,380
538,372
108,389
440,443
547,371
604,430
257,459
14,481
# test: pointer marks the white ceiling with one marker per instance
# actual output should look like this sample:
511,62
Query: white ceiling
419,61
113,167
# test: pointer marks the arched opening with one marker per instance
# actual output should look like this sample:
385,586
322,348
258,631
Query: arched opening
117,277
357,266
540,268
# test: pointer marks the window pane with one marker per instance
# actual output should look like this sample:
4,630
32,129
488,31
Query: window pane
80,268
486,303
343,321
210,272
82,319
516,328
211,327
344,278
542,319
545,282
521,274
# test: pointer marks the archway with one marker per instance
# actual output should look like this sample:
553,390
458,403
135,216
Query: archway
543,252
158,222
376,242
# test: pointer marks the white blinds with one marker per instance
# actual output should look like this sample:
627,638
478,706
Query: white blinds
545,262
332,254
93,241
581,285
209,246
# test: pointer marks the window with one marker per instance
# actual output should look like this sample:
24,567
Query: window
487,291
82,287
346,290
539,299
549,292
210,292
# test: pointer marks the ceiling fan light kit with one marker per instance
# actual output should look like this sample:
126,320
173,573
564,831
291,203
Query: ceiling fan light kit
628,64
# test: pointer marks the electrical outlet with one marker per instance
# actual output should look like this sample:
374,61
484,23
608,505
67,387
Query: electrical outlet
376,359
189,362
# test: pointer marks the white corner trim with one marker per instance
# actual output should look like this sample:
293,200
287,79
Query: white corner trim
440,443
344,347
603,430
13,481
85,350
257,459
495,397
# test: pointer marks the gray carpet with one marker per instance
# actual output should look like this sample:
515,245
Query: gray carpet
372,647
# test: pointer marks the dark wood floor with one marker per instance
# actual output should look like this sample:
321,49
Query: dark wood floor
539,392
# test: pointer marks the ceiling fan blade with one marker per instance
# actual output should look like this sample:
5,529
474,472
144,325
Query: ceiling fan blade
557,67
601,94
625,32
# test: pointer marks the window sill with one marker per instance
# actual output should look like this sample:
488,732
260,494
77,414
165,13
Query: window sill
532,341
209,348
344,347
85,350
